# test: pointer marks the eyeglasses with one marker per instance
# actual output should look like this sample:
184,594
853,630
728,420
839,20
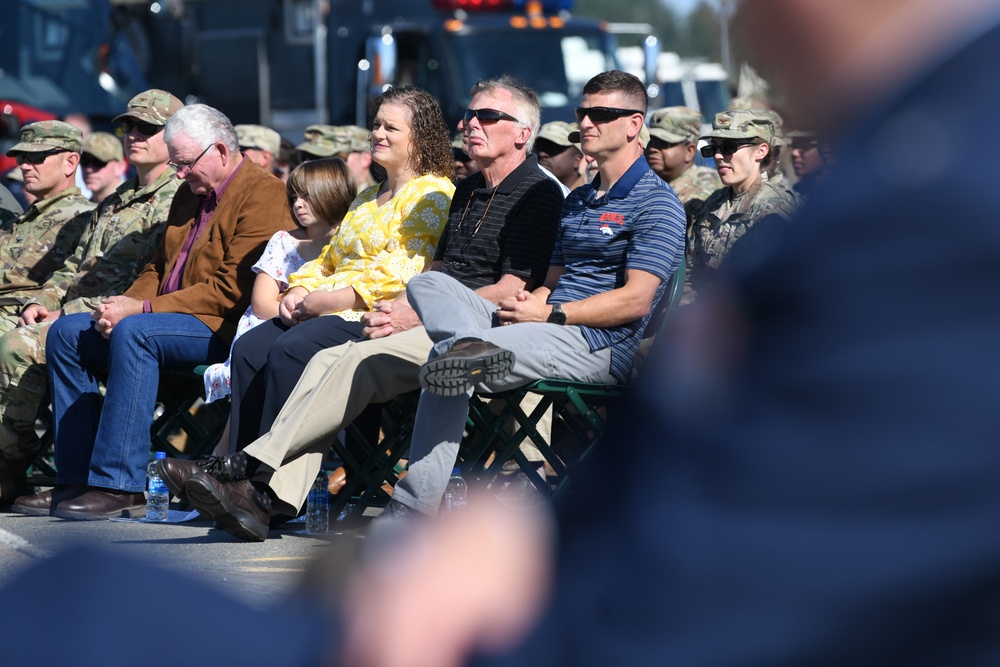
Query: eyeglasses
487,116
91,162
726,148
178,166
34,158
603,114
145,129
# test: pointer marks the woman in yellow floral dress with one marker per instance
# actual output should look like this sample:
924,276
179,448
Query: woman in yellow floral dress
387,237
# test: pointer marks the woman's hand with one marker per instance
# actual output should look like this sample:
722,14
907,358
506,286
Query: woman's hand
289,303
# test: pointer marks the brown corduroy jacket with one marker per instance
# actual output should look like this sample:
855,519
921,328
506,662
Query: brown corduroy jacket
217,279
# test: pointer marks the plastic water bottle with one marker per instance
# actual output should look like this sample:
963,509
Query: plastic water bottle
318,506
455,495
157,494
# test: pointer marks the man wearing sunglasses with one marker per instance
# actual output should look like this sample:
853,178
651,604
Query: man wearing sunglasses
740,142
674,133
498,240
119,240
179,312
102,162
558,154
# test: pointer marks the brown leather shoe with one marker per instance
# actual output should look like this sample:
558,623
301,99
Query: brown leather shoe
469,362
175,472
40,504
234,505
97,504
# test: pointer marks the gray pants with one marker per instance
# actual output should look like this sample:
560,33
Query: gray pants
450,311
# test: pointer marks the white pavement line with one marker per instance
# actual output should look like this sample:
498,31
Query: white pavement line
20,544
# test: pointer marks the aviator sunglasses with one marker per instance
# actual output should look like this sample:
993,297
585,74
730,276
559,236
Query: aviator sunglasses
145,129
726,148
487,116
603,114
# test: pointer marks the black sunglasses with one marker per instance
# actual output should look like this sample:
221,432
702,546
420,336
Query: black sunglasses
658,144
487,116
603,114
34,158
91,162
726,148
145,129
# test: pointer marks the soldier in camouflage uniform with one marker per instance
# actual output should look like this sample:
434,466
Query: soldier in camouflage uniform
38,242
674,133
741,146
119,240
348,142
259,143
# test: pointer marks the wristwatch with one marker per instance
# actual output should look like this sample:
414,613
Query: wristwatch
557,316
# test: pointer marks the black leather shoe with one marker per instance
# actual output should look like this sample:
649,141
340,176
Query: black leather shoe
41,504
98,504
469,362
175,472
234,505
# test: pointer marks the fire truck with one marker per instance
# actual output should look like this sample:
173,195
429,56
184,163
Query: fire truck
289,63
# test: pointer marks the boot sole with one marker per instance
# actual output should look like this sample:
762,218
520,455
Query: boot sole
231,519
448,376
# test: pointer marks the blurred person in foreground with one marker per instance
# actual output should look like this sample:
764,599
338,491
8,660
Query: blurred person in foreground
824,419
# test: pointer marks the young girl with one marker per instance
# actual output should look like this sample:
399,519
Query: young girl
319,195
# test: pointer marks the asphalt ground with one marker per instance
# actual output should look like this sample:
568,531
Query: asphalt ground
259,573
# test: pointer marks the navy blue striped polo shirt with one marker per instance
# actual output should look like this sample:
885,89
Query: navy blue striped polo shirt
638,224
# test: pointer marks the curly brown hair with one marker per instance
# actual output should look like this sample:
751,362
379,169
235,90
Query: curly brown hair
431,144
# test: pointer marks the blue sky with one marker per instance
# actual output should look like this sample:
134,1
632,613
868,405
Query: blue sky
682,6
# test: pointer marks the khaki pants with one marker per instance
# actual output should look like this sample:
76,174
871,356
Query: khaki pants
336,386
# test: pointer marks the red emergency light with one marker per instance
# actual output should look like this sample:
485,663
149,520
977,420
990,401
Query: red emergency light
501,5
473,5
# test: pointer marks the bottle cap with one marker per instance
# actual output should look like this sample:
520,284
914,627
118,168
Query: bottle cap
161,455
456,471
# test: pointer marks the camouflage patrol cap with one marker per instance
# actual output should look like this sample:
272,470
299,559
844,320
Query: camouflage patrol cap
743,125
15,175
104,146
676,125
47,135
328,140
152,106
559,133
259,137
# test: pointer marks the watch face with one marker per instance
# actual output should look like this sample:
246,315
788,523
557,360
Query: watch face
557,316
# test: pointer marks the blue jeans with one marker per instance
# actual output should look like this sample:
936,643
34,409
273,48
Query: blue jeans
109,447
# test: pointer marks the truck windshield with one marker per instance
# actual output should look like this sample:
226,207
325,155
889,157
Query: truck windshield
555,64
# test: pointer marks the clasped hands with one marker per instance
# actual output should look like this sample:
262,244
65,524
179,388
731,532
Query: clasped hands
524,306
112,311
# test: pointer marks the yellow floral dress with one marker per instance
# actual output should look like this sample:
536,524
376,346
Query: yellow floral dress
377,249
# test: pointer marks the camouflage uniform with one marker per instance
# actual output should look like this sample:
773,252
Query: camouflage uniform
727,216
334,141
118,241
36,245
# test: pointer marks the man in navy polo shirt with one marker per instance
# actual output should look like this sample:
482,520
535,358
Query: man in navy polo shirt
620,238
